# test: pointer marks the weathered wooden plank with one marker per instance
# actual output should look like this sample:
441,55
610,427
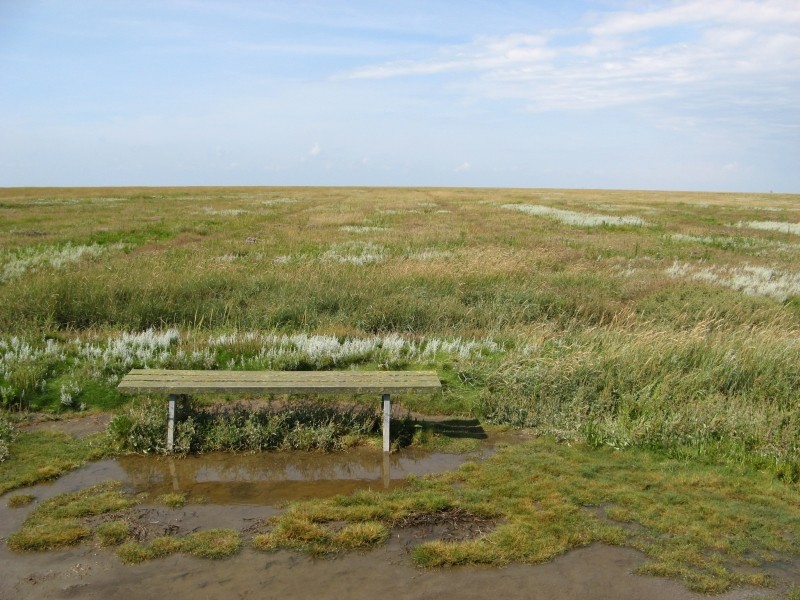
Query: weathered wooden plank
300,382
269,375
177,382
337,383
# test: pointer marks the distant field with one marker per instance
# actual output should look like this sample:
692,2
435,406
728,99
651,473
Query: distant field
664,320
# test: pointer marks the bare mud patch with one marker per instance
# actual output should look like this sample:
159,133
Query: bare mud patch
77,426
453,525
599,572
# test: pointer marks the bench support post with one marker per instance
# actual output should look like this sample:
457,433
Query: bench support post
171,422
387,418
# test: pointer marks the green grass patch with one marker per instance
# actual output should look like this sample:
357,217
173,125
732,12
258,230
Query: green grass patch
94,394
451,436
112,533
319,540
38,456
60,521
20,500
210,543
173,500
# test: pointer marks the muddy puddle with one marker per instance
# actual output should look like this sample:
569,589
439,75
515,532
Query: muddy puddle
275,478
237,491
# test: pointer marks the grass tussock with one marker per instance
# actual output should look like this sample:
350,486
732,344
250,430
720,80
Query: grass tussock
210,543
319,540
99,512
113,533
20,500
173,500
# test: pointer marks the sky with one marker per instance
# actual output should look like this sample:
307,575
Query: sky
615,94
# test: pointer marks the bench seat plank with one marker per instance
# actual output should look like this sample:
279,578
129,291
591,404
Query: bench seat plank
142,381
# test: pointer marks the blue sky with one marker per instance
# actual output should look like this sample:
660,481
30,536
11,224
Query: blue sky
686,94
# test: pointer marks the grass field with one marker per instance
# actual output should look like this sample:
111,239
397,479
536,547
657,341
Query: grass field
665,320
659,322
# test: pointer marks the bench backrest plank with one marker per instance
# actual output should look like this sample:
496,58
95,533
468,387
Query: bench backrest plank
142,381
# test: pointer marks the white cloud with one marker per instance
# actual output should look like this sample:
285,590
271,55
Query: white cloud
463,167
731,53
315,149
486,53
780,13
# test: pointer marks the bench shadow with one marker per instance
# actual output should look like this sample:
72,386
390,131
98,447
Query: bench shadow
460,428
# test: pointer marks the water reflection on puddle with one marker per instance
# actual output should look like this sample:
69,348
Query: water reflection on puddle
276,477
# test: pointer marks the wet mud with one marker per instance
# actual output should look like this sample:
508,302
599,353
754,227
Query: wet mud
239,491
599,572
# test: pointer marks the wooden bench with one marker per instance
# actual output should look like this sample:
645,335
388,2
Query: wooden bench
177,383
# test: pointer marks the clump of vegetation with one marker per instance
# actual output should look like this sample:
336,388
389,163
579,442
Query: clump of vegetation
210,543
60,521
113,533
319,540
173,500
713,395
8,434
299,425
20,500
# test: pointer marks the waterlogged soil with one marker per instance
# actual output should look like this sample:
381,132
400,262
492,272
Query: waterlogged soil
239,491
599,572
